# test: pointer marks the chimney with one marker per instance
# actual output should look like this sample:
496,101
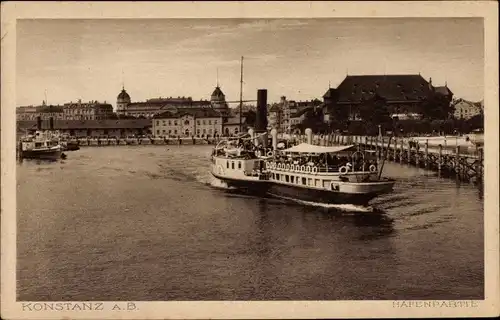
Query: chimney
39,123
261,121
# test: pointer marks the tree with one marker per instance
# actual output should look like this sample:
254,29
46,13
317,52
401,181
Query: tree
374,112
251,117
339,116
316,102
476,122
436,107
313,118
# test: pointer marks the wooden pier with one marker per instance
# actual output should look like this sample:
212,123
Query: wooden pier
461,162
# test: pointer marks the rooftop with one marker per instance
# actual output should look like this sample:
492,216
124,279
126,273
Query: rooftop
392,87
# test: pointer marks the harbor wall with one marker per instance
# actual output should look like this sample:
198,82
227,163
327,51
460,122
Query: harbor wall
102,142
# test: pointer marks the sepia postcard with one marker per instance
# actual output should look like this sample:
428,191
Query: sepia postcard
249,160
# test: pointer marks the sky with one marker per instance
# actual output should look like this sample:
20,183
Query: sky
67,60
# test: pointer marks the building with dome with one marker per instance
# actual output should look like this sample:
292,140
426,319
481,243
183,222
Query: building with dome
122,101
151,107
218,100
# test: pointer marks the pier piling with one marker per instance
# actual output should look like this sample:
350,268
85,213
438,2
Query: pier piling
426,159
440,158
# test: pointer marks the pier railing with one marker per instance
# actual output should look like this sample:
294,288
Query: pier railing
451,156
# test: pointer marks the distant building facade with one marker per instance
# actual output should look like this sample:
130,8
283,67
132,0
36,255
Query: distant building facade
188,123
404,94
92,110
274,116
234,126
287,114
466,109
44,111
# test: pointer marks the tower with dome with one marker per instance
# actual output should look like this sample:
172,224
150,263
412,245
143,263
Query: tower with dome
218,100
122,101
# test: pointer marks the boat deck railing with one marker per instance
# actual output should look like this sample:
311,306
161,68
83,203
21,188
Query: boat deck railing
320,168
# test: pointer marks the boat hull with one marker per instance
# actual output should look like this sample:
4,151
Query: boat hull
251,186
42,154
331,197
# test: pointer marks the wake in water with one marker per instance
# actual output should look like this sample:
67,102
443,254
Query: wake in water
216,183
340,207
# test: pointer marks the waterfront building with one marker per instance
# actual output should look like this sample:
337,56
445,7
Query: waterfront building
465,109
232,125
151,107
287,114
188,123
403,94
92,110
93,128
298,118
43,111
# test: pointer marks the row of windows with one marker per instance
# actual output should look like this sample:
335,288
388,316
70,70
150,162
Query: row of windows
204,131
296,179
232,164
186,122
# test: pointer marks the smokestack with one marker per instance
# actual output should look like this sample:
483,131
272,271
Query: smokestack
261,117
51,123
39,123
261,121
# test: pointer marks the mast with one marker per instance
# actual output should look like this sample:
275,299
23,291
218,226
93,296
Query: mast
241,93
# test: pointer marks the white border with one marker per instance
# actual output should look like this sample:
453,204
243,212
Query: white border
267,309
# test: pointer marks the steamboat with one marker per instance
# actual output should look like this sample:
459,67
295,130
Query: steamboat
330,175
41,145
305,172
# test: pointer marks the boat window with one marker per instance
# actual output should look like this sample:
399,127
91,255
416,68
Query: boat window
304,181
277,176
232,165
298,180
239,164
227,164
292,179
287,178
310,181
317,183
38,144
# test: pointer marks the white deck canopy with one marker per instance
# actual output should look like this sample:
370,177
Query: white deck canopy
309,148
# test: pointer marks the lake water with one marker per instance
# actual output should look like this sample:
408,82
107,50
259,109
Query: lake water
146,223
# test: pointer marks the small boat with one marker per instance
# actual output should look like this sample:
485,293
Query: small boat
41,145
68,144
